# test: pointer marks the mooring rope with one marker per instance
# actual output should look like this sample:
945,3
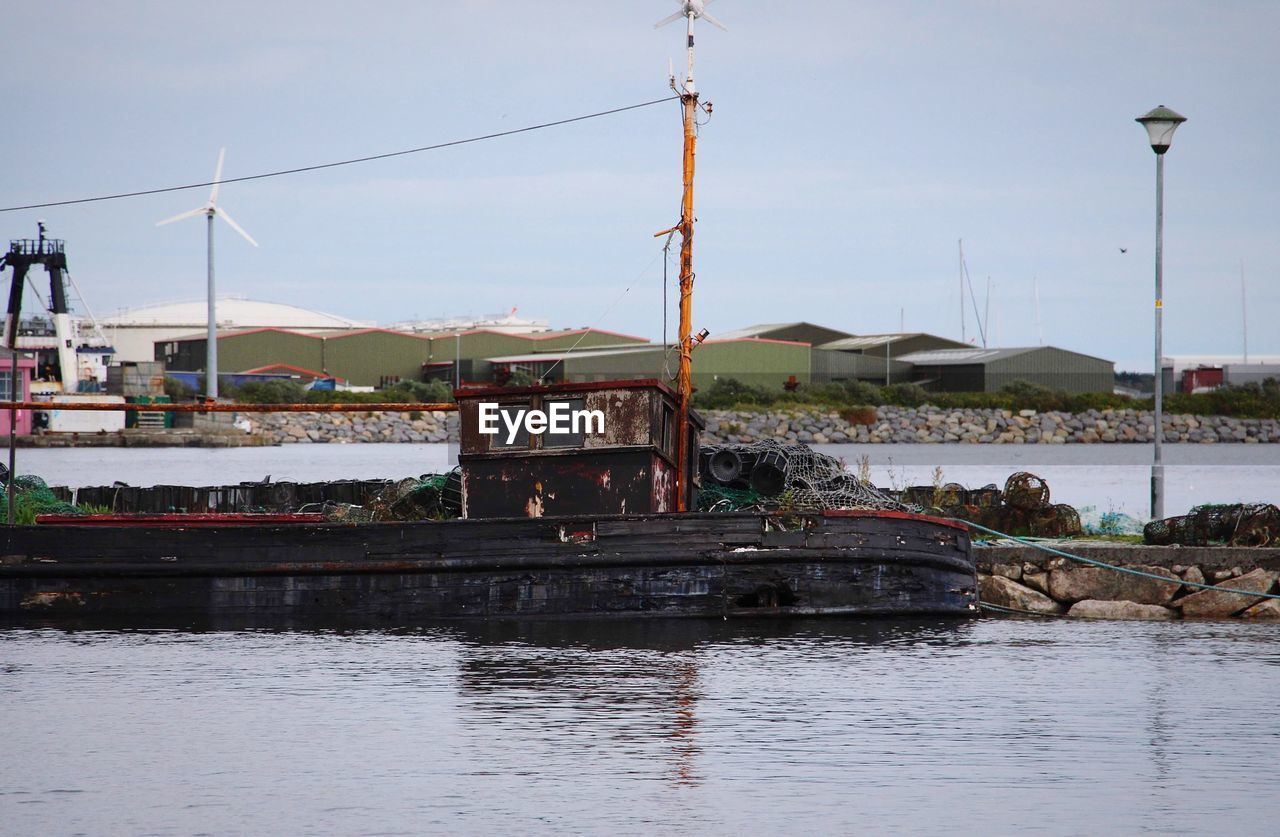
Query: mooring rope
1015,610
1104,565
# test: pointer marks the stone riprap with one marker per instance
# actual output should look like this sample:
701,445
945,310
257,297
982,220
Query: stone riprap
339,428
931,425
881,425
1027,580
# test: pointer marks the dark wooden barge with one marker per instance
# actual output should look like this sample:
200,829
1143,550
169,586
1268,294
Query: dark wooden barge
576,526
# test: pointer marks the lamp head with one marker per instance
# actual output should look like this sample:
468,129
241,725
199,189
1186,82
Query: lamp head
1160,123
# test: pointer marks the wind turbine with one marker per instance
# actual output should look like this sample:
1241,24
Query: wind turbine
690,10
209,210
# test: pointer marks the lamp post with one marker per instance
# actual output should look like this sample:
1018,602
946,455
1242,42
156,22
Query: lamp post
1160,124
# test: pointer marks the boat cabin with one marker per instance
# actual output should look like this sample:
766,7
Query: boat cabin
606,447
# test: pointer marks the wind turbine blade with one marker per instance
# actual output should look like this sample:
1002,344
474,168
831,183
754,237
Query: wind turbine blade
217,176
193,213
717,24
223,214
670,19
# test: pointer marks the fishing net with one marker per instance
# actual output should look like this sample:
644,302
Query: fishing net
769,475
1238,524
31,496
429,497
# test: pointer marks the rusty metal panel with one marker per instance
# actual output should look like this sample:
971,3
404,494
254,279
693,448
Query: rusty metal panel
603,482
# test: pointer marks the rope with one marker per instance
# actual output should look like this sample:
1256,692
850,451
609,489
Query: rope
1015,610
1104,565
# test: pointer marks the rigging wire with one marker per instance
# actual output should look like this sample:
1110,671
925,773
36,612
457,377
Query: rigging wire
598,320
352,161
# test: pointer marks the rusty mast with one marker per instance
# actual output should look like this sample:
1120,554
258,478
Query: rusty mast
690,10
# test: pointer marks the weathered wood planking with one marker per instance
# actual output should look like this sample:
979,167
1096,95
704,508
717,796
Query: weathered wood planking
687,565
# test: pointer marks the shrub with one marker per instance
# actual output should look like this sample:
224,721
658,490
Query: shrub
271,392
859,415
177,390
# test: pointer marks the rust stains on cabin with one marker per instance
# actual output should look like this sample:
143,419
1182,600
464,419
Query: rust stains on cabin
629,468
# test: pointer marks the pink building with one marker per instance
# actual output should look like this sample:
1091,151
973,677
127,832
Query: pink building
26,370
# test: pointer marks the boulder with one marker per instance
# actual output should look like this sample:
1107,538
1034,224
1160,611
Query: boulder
1005,592
1013,571
1073,583
1193,575
1100,609
1267,609
1037,581
1219,604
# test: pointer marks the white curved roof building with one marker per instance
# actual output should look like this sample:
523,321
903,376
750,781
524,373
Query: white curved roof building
233,312
134,332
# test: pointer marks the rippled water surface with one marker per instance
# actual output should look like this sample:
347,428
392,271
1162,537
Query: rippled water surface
982,726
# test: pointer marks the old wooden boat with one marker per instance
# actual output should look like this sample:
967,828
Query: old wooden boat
571,525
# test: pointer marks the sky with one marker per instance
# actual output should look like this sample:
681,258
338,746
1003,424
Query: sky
852,145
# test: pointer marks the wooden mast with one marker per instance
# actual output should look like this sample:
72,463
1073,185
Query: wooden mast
684,378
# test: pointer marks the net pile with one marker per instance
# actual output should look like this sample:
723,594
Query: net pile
1023,508
768,475
1239,524
31,496
429,497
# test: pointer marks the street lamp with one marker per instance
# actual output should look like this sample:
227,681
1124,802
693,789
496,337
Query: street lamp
1160,124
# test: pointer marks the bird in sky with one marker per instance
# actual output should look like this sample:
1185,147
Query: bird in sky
1124,249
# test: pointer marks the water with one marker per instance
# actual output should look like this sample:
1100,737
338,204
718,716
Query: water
985,726
1107,477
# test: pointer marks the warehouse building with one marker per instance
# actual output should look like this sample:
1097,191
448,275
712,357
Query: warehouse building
769,363
875,358
988,370
371,356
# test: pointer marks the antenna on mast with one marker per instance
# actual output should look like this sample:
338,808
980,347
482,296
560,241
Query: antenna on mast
686,449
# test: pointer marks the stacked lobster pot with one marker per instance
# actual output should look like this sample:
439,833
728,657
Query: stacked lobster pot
771,475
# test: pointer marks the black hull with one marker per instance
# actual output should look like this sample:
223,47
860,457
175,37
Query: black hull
399,574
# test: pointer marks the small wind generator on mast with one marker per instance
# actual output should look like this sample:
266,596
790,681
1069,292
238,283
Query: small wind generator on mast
690,10
209,210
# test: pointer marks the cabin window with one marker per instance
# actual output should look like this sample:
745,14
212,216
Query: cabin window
668,443
6,387
576,435
510,412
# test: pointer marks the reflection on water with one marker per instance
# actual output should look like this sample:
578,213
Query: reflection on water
663,726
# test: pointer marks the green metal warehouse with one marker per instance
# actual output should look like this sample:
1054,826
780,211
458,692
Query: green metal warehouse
768,363
987,370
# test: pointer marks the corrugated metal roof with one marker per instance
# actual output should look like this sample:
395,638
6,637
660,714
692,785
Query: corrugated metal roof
956,357
867,341
539,357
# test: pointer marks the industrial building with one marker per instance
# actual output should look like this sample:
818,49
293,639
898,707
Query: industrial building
771,355
988,370
372,356
769,363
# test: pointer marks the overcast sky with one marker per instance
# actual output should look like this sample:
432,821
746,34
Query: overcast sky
852,144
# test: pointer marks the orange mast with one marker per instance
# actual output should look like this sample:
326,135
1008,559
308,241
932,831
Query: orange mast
691,10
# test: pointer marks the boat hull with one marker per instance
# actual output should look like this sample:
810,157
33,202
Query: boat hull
697,565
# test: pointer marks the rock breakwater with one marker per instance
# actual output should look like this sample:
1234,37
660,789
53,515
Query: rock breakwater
931,425
340,428
1026,580
867,425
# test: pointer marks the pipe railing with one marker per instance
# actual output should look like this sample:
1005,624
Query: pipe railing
222,407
